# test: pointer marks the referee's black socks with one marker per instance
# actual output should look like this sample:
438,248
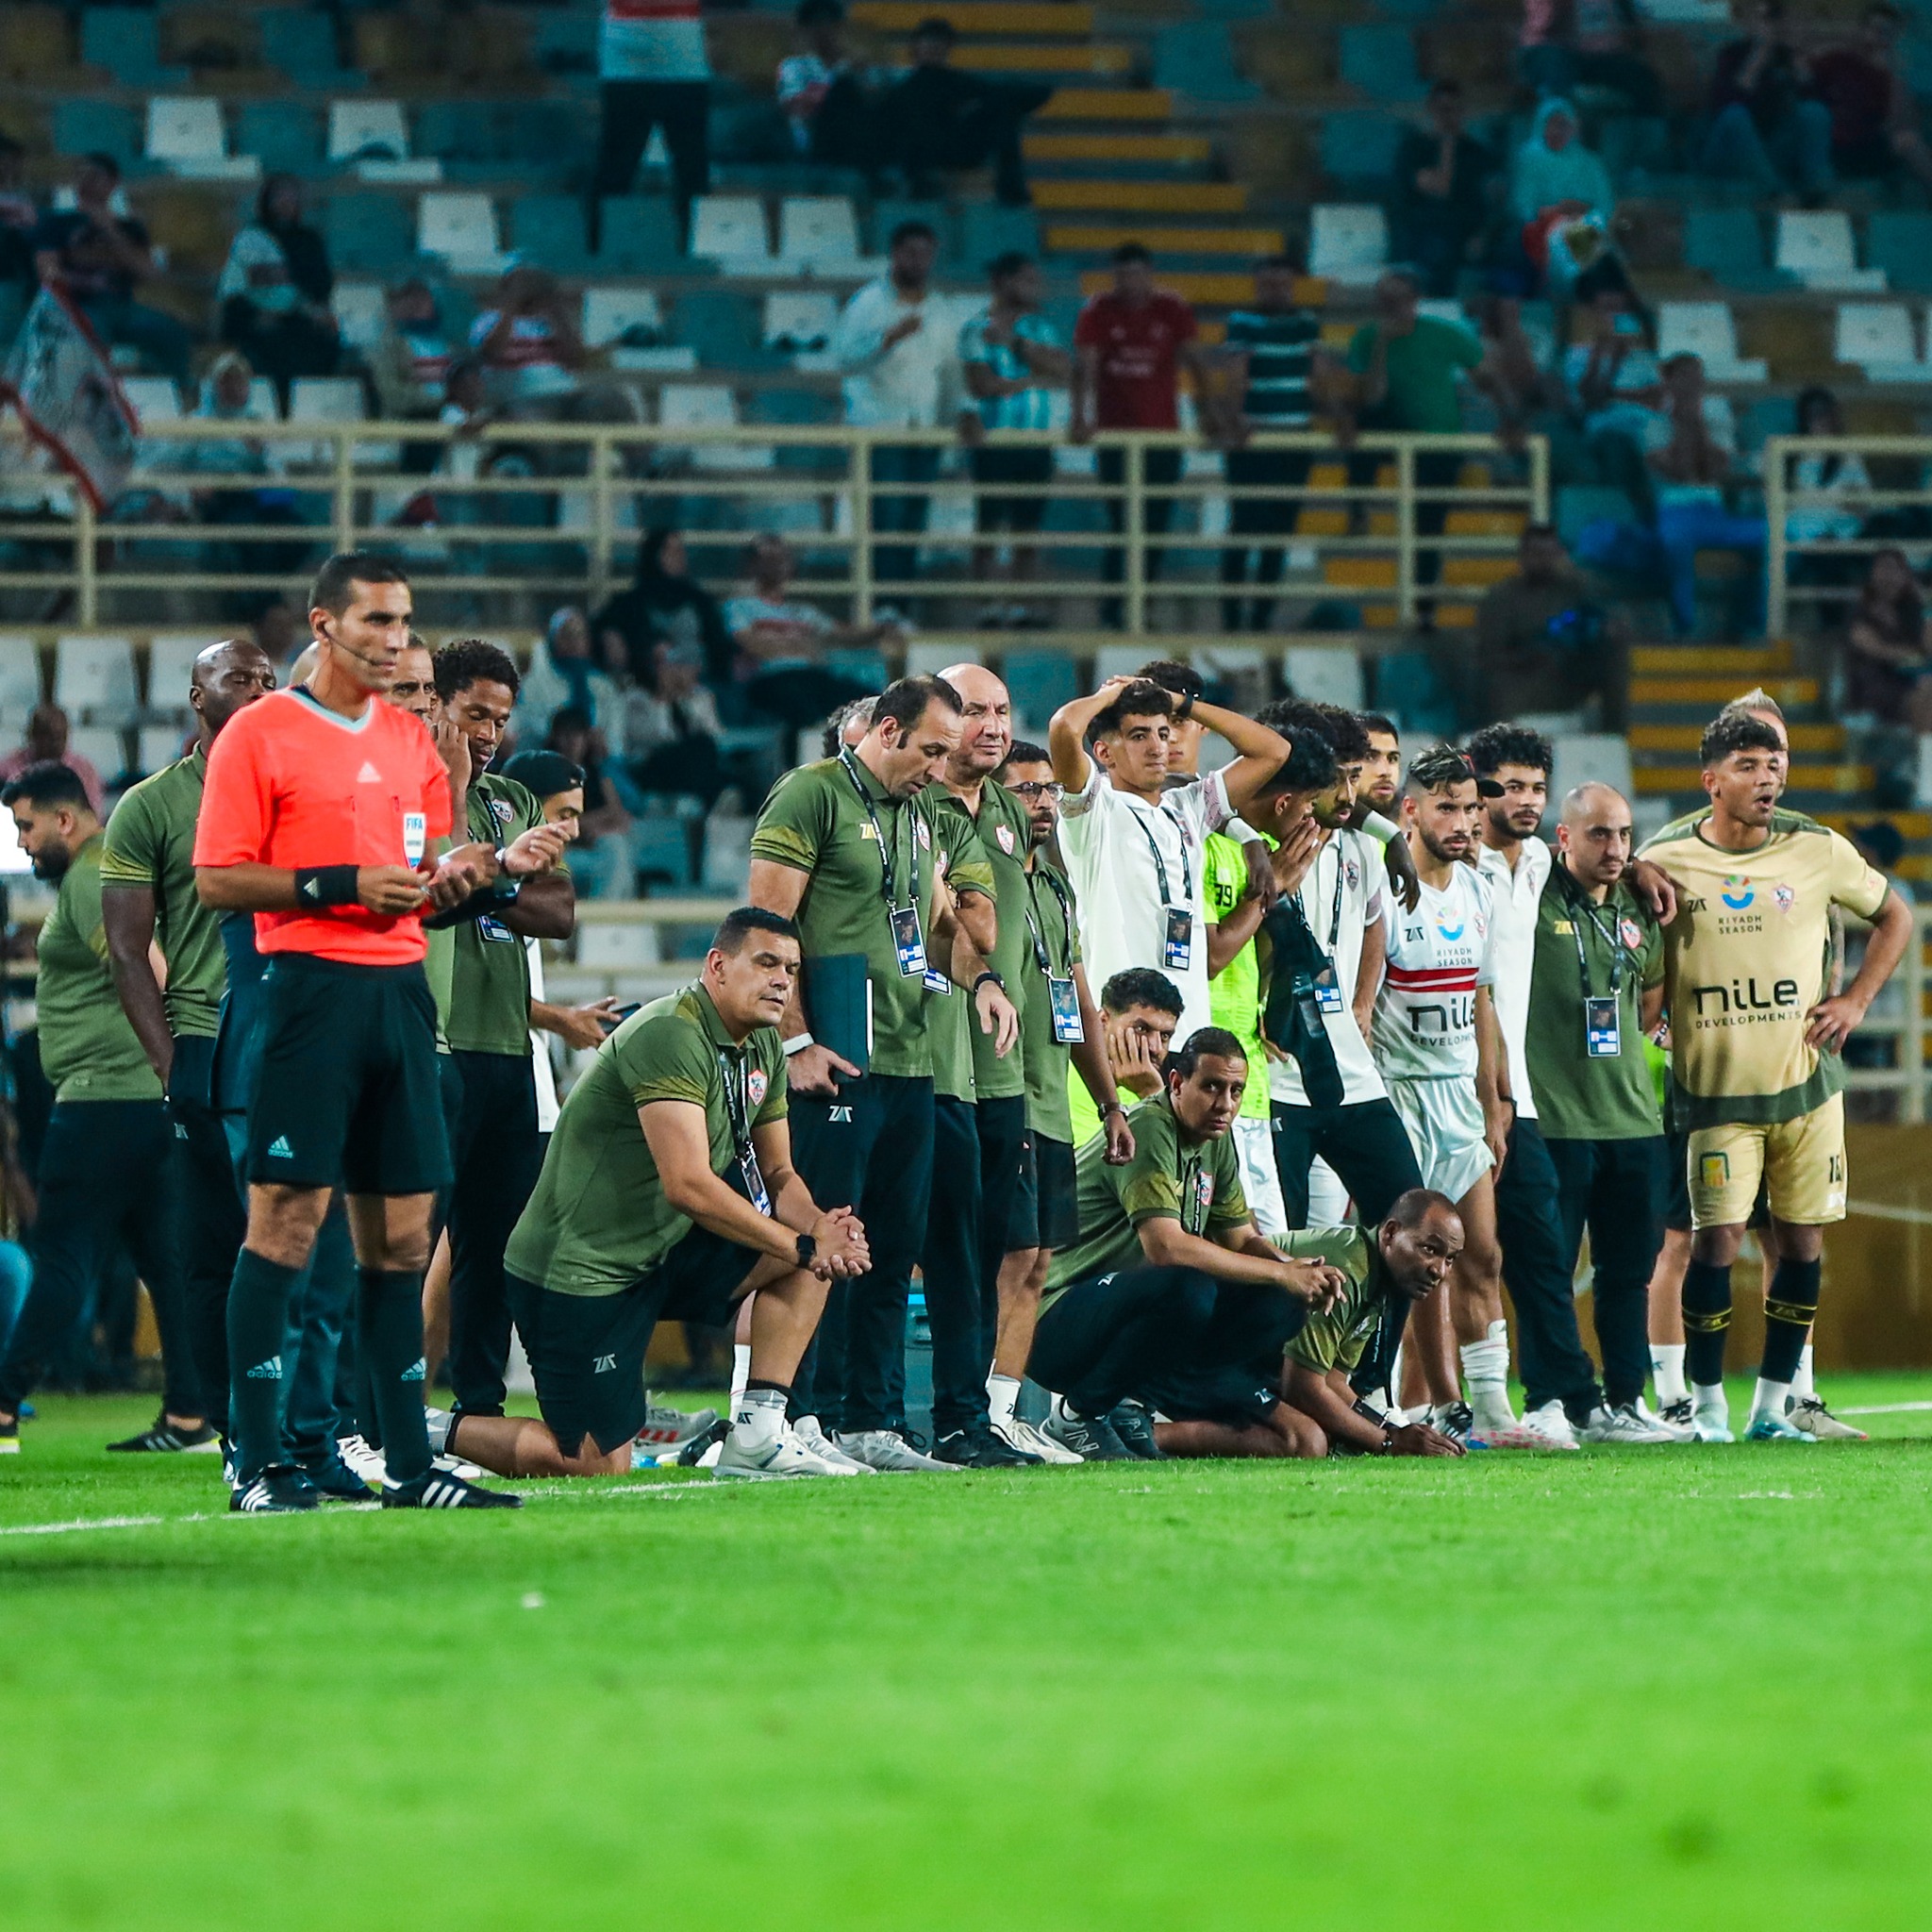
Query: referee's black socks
1789,1310
1707,1316
257,1326
389,1307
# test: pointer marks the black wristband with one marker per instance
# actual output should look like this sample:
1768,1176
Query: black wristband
988,975
325,885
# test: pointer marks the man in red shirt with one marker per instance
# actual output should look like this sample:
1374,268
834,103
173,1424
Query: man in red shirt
1874,118
321,812
1130,344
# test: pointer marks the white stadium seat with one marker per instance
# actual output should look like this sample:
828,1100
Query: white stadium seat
1708,331
359,312
186,129
800,318
609,314
730,229
1880,338
357,127
170,656
1815,245
1347,243
820,229
460,226
20,674
93,679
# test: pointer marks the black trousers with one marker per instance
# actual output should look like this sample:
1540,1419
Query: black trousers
1258,516
497,1155
105,1167
871,1148
1615,1189
631,109
1539,1276
1160,469
1113,1336
214,1217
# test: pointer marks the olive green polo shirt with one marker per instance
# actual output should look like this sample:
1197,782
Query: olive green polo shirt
598,1220
88,1050
1338,1339
863,850
964,1064
1577,1097
490,972
1049,914
150,841
1196,1183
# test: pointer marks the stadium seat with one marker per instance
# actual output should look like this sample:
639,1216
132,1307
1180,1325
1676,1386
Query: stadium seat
549,229
1039,682
1708,331
104,746
155,398
799,319
170,656
327,399
159,745
358,312
1381,61
1591,757
605,946
93,680
460,227
358,129
1880,338
186,130
1815,245
300,43
889,212
1199,65
1347,243
1579,505
1410,689
639,236
367,231
727,853
86,128
1359,147
708,406
610,315
282,134
987,231
1727,244
126,41
1118,661
20,676
565,40
1901,244
817,231
929,660
1324,674
715,325
660,848
729,229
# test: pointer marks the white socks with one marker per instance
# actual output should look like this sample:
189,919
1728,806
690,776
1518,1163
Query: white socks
1002,1397
1801,1383
758,1418
741,1370
1667,1371
1770,1398
1710,1403
1486,1370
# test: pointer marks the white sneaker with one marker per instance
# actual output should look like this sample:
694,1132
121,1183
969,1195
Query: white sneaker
1553,1423
361,1459
1024,1436
1808,1413
887,1449
1711,1425
1535,1431
783,1455
1624,1424
668,1428
1677,1431
808,1434
455,1465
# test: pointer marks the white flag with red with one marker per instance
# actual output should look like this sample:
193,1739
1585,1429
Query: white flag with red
69,400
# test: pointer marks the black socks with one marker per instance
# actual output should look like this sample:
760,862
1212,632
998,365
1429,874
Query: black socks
389,1319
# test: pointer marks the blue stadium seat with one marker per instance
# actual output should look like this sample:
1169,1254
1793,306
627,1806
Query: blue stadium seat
563,39
717,326
300,42
660,845
1409,690
369,231
463,130
1040,683
639,236
862,666
126,41
1199,65
548,232
1381,61
1900,242
987,231
284,136
1727,244
1580,503
86,127
888,212
1358,148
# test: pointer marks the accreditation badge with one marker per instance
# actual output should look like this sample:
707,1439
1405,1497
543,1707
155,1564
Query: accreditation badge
415,837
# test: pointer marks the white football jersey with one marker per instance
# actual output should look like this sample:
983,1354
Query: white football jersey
1438,955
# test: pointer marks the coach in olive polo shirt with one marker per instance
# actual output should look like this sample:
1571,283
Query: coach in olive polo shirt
104,1165
846,846
1596,988
495,1152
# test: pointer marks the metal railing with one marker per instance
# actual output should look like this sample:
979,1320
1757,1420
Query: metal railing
1898,466
554,512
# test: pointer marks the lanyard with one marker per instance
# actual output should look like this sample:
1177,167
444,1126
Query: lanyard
1578,904
1335,910
736,1102
888,860
1160,863
1040,956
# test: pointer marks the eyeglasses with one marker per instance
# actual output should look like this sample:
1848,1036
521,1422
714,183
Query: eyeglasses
1039,788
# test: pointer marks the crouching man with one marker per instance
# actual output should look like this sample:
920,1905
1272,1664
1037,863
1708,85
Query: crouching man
1171,1295
668,1193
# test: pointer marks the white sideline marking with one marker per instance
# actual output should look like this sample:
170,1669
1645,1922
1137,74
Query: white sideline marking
82,1523
1880,1210
1889,1409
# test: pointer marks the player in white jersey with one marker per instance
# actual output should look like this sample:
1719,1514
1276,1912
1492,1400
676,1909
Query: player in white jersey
1439,1048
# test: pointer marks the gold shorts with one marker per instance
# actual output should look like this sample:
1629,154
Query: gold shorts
1802,1163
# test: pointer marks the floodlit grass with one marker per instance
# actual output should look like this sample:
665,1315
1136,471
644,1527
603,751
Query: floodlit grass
1621,1689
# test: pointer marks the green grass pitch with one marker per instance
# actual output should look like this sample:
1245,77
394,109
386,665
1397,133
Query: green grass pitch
1684,1688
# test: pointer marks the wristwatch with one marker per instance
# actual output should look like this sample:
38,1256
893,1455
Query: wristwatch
807,1251
990,975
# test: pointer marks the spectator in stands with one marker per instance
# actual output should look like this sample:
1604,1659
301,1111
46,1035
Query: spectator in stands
564,670
100,258
1131,342
1874,120
1591,42
1611,377
1275,364
1555,181
1837,484
898,358
1443,176
671,728
528,344
229,400
19,217
46,743
782,641
656,73
1887,650
1011,360
822,93
1541,638
274,290
664,601
1691,466
1762,125
600,861
938,119
410,361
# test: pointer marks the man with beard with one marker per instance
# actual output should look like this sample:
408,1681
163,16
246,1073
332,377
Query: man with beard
104,1163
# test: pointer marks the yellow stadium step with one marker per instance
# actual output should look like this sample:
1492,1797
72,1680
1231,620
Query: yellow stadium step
1210,288
1846,780
1359,573
1143,197
1650,661
1685,738
1175,150
1109,104
1168,241
1315,521
1476,572
1455,616
974,17
1484,523
1911,825
1791,692
1106,57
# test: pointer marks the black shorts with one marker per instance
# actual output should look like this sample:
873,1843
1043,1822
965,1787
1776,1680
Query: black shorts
1233,1397
347,1090
1024,514
587,1351
1046,1208
1678,1189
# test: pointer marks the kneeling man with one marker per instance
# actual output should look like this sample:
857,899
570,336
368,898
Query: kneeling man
1171,1298
668,1192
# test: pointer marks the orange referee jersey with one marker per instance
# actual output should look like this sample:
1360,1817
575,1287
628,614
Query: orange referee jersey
291,783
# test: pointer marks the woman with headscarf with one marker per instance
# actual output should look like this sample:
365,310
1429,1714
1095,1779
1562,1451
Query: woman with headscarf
564,672
1887,653
667,602
274,290
1560,190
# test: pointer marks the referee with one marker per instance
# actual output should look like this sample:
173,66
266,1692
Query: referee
322,806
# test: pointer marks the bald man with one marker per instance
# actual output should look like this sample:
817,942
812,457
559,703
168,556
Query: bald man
147,892
980,1143
1596,989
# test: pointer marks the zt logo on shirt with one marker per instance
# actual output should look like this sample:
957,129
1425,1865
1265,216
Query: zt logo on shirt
604,1365
836,1114
1411,935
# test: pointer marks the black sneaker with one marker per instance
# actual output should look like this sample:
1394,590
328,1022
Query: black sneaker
1131,1423
1456,1421
433,1489
981,1449
1090,1436
336,1482
692,1453
280,1491
164,1439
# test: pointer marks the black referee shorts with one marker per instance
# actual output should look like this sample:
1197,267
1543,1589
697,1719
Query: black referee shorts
1046,1208
346,1091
